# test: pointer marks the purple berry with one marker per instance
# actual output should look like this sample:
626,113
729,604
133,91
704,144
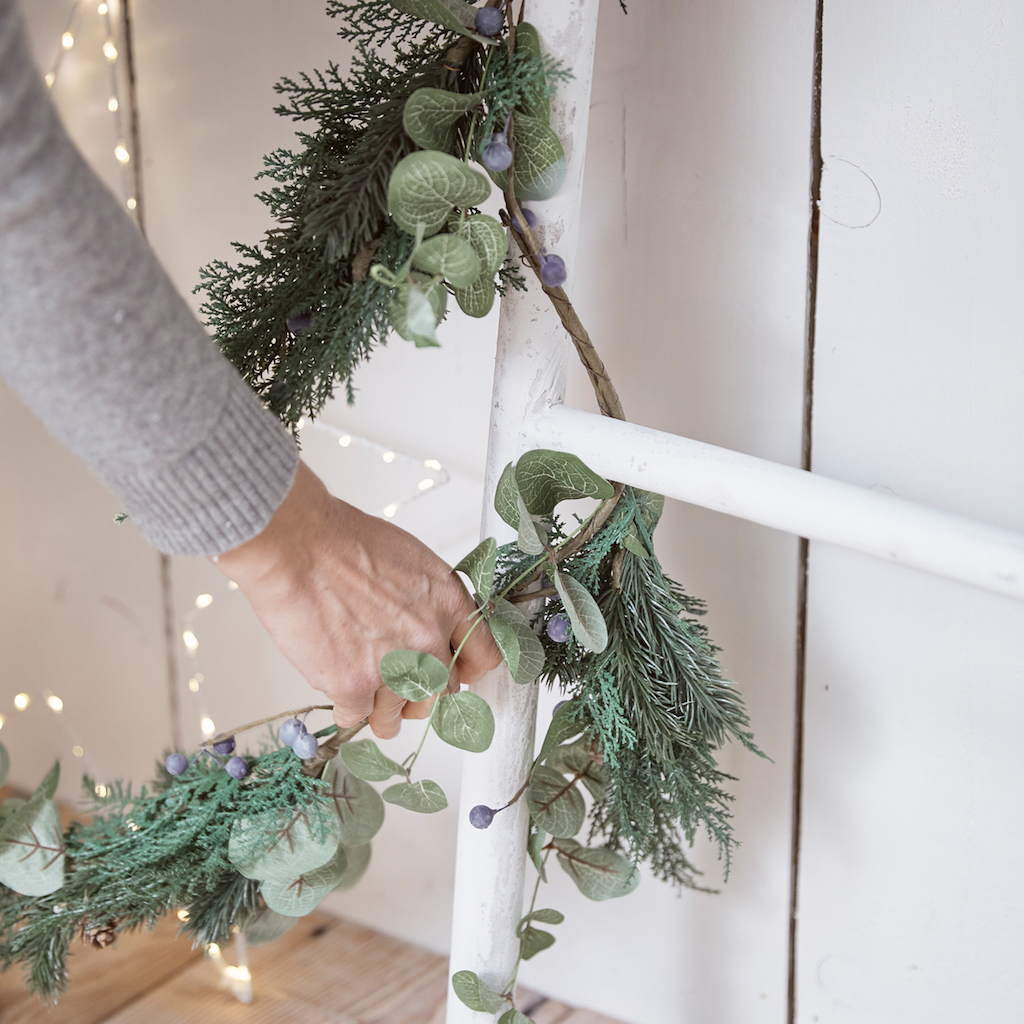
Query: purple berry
237,767
481,816
305,746
176,763
552,271
225,746
559,628
291,729
496,155
531,219
488,21
299,323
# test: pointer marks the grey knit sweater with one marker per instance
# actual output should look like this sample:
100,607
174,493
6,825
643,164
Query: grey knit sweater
98,344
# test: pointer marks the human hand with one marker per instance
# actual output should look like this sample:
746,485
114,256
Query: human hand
337,589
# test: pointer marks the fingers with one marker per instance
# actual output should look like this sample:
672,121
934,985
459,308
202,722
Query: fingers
480,654
352,709
386,717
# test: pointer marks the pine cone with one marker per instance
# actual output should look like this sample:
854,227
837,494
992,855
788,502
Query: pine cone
100,936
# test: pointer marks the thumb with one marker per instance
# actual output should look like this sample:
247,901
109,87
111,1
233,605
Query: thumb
480,654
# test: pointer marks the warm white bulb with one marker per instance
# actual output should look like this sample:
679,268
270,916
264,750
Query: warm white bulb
207,726
112,104
301,423
232,585
110,50
102,9
67,40
49,78
391,510
193,684
213,950
188,638
100,790
22,701
388,456
425,485
432,464
204,600
2,720
131,204
121,152
183,914
344,440
77,751
55,703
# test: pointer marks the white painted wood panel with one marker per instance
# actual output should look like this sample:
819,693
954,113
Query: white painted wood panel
910,899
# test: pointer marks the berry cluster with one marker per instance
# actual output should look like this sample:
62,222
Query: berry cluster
236,767
293,734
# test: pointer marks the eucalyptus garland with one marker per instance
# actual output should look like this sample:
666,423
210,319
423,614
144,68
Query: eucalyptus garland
377,227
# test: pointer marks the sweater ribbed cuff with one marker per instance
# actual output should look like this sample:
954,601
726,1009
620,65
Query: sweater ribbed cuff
219,494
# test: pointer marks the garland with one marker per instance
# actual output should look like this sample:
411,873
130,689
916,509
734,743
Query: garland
377,225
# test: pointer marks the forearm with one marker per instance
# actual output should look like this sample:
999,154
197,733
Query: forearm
100,346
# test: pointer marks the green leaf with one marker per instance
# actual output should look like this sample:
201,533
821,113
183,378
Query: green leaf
268,927
535,848
358,858
430,116
32,855
576,758
532,537
452,14
358,805
486,235
513,1016
506,497
476,994
600,874
540,163
588,625
533,941
451,257
26,812
413,674
556,805
415,310
425,797
478,565
528,45
465,721
281,844
477,299
546,477
632,543
426,186
651,507
547,916
531,651
5,764
365,760
507,639
299,896
564,726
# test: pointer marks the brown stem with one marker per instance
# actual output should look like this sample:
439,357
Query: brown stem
329,750
220,737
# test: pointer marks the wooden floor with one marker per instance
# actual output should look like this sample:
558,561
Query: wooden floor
324,971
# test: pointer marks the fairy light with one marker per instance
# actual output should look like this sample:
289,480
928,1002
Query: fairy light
232,585
388,457
110,50
121,152
390,510
112,104
238,979
188,638
204,600
54,703
2,721
302,423
432,464
77,751
345,440
193,684
49,78
100,790
208,727
22,701
131,203
102,9
67,40
425,485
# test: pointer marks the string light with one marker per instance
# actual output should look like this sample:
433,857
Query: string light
432,464
183,915
238,979
112,104
100,790
390,510
110,50
67,40
204,600
188,638
388,457
208,727
425,485
22,701
130,203
121,152
102,9
77,751
2,721
345,440
53,702
232,585
193,684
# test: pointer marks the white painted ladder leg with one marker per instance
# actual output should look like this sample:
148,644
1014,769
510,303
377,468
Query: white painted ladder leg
529,376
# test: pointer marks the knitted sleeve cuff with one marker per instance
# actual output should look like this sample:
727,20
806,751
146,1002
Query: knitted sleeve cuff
223,491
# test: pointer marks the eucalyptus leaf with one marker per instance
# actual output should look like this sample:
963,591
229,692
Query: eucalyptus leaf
413,675
545,916
564,726
576,758
531,651
651,507
365,760
600,874
476,994
451,257
632,543
465,721
452,14
588,625
426,797
535,848
268,927
5,764
532,537
533,941
32,856
513,1016
506,497
545,478
430,116
281,844
358,805
539,161
416,309
478,565
486,235
426,186
301,895
25,813
507,639
478,298
358,858
556,805
536,104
